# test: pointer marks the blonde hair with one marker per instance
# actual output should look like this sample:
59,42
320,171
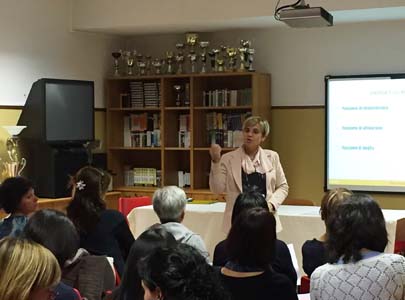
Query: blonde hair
263,124
25,266
331,200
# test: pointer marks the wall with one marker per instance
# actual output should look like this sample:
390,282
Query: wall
37,42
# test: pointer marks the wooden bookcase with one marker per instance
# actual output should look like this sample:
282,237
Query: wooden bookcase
169,157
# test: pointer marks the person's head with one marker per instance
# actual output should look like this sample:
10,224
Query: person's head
28,270
248,200
331,200
87,201
251,240
255,131
169,203
357,223
17,196
152,238
53,230
180,273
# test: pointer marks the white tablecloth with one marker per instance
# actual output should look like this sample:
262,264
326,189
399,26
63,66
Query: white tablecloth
300,223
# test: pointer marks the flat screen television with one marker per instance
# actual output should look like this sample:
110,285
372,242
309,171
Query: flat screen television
59,112
365,132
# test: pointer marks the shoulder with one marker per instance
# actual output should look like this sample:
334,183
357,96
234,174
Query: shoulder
273,155
395,261
311,245
113,214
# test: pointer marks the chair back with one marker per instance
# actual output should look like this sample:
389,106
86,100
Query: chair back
125,205
305,285
303,202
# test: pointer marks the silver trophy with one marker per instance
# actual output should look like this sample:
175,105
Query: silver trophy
139,62
244,55
224,57
116,55
169,60
203,55
178,89
193,61
157,64
251,52
214,55
130,61
148,63
180,57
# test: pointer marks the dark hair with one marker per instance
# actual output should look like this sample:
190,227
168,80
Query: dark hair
12,191
53,230
357,223
181,273
331,200
154,237
87,202
246,201
251,240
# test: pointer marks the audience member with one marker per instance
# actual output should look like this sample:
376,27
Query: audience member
17,198
169,204
313,251
357,268
28,270
90,274
251,248
102,231
282,262
179,273
130,287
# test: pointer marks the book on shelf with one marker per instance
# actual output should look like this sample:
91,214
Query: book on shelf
184,179
225,97
142,130
184,139
144,94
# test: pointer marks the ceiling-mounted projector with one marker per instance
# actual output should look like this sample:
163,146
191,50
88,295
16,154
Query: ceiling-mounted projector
301,15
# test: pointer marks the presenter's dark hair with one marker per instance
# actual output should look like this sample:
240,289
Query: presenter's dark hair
181,273
357,223
246,201
154,237
251,240
87,202
53,230
12,191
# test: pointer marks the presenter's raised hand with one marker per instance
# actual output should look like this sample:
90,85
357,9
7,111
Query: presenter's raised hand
215,152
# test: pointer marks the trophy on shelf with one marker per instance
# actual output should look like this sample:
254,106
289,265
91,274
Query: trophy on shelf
116,55
140,64
169,60
244,54
180,58
178,88
148,63
130,60
224,57
203,55
231,53
16,164
251,52
193,61
157,64
191,40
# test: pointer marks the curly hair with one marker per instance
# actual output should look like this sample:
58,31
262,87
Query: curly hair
12,191
181,273
87,202
357,223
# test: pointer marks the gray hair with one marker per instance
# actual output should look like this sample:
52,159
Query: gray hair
169,203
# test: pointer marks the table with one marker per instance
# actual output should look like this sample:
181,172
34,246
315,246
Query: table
300,223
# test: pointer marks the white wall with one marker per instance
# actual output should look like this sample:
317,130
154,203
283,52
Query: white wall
36,42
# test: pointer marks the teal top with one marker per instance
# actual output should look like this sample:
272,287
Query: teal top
12,225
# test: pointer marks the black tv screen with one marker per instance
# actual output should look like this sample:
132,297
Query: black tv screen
69,111
365,125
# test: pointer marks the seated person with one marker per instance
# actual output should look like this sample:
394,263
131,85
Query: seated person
179,273
313,251
282,262
251,248
152,238
28,270
169,203
102,231
90,274
17,198
357,267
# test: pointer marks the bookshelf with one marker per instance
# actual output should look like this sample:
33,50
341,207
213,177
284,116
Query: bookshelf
167,123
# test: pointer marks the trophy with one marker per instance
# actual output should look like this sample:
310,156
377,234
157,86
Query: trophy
129,59
213,54
178,88
180,57
157,65
250,59
193,61
231,52
244,55
224,56
148,64
16,164
169,60
203,55
191,41
139,63
220,64
116,55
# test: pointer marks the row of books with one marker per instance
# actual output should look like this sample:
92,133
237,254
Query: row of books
142,139
184,122
225,97
142,121
184,179
225,121
142,177
225,138
184,139
143,94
